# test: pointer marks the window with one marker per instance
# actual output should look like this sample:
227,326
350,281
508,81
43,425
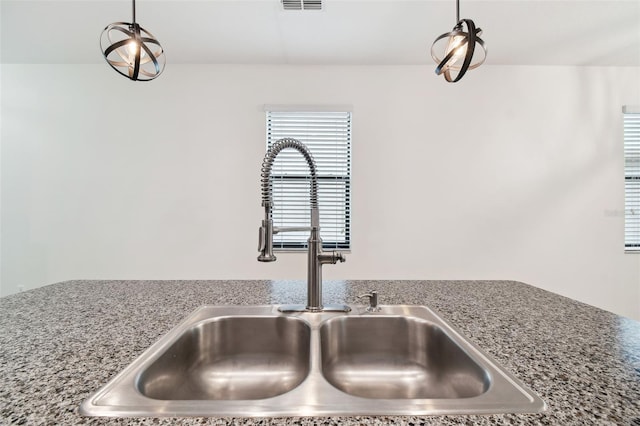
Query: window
328,137
631,180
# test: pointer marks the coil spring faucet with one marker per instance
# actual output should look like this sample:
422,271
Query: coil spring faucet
315,257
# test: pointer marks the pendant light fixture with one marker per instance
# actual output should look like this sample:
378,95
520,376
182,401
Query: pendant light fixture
131,50
459,50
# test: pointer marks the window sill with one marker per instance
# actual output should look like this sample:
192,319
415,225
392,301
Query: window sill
304,250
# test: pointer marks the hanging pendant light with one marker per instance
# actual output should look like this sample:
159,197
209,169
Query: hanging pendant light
131,50
461,49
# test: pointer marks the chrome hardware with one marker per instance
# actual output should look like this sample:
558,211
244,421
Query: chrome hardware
373,301
265,242
316,257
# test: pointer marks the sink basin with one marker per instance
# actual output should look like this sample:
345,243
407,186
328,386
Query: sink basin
254,361
397,358
231,358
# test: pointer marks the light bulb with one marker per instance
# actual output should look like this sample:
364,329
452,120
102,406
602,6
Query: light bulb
132,47
458,45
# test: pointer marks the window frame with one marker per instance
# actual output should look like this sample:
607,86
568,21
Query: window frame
631,139
328,183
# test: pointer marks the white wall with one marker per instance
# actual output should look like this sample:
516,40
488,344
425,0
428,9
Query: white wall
513,173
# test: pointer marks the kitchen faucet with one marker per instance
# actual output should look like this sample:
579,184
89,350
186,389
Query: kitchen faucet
315,256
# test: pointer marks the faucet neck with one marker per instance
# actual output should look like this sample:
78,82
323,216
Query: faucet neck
267,165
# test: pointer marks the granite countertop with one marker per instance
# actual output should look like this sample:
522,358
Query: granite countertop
60,343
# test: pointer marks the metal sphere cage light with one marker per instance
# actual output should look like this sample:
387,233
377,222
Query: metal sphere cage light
459,50
131,50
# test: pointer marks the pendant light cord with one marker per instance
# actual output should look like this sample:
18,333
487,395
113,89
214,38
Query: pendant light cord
134,12
457,11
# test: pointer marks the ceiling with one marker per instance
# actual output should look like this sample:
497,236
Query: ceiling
345,32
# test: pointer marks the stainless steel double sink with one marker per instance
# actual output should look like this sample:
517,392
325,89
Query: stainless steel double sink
254,361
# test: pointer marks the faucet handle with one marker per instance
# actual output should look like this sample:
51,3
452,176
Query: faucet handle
373,301
331,257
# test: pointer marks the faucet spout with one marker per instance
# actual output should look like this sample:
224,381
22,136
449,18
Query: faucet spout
265,237
316,257
267,165
267,230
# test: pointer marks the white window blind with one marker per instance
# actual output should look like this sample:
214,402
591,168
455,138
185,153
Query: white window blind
632,182
328,137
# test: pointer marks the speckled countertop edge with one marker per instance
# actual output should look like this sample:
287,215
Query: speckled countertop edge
60,343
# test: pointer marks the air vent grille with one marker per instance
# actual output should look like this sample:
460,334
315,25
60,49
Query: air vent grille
302,4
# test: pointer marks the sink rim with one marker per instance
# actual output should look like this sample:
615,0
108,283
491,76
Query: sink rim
315,396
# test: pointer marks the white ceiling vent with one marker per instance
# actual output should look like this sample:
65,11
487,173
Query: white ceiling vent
302,4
